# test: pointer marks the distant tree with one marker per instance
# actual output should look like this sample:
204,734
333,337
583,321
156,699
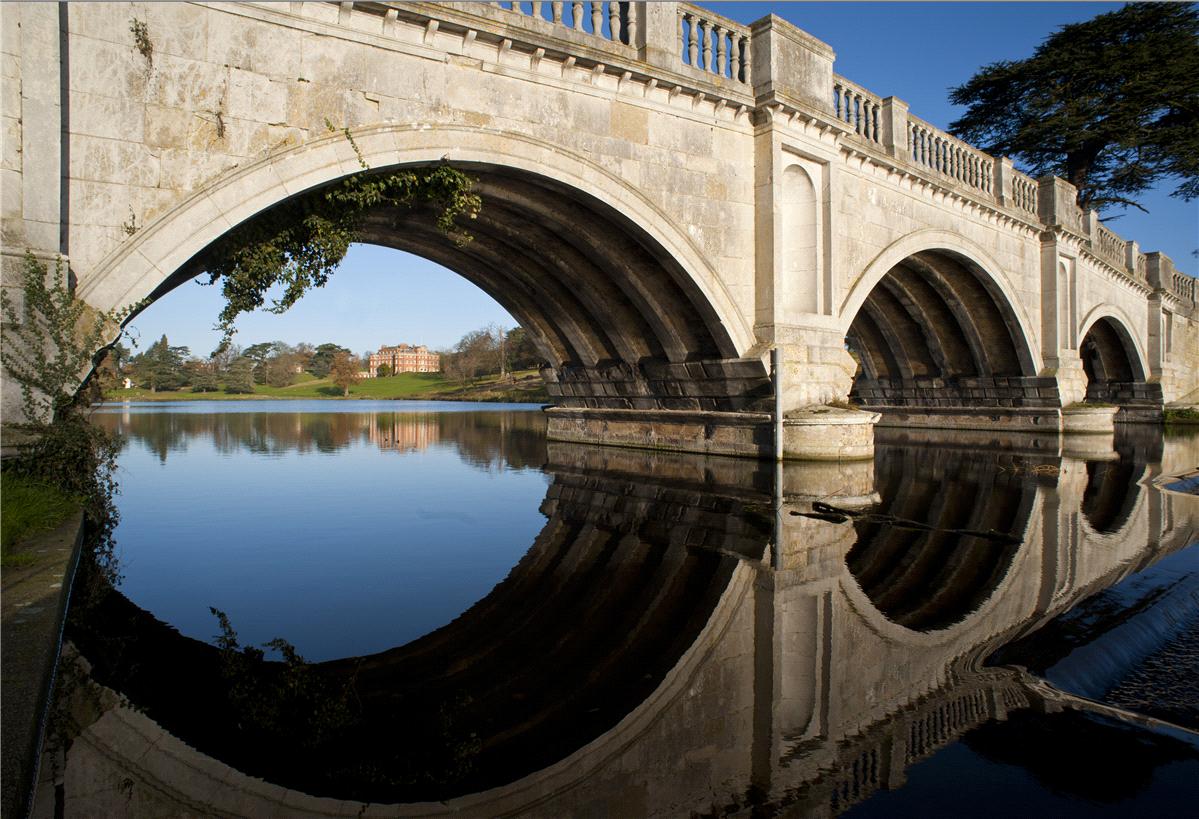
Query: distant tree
303,353
322,359
161,366
280,366
240,376
344,371
202,376
258,354
1110,104
384,371
223,357
110,373
522,353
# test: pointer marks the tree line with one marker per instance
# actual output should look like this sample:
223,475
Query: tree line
232,369
236,370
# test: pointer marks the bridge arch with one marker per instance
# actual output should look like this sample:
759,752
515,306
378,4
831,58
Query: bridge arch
1108,327
616,294
1116,366
934,324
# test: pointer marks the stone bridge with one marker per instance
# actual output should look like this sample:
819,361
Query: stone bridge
670,198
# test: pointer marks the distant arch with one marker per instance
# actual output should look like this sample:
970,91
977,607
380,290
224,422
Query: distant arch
1109,325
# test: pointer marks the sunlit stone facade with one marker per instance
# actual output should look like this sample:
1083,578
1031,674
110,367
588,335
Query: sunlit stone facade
404,358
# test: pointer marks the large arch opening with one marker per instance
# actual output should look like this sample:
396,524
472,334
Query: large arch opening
935,333
623,307
1114,371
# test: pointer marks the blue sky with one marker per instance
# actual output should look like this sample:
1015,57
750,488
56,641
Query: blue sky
914,51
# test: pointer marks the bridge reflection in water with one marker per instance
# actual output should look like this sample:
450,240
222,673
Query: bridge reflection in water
680,640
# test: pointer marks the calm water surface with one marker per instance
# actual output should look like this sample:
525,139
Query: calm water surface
495,624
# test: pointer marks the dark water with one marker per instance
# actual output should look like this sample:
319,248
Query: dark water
494,624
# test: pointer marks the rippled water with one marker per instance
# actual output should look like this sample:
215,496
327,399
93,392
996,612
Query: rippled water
496,624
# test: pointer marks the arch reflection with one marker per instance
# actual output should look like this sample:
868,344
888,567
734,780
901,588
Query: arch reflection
662,640
944,535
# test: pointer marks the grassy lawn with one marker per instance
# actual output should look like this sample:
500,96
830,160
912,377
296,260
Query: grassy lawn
405,385
27,508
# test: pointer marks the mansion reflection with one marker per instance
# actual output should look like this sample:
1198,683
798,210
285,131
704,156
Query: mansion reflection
484,439
680,638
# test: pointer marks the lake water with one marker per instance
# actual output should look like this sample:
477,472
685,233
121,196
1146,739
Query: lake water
493,624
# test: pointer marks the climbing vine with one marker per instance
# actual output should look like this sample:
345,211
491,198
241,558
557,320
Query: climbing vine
298,244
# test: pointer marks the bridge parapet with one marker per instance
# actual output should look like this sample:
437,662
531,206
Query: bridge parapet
949,156
858,108
1162,275
698,28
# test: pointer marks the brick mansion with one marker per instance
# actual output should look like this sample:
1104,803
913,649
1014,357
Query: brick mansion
404,358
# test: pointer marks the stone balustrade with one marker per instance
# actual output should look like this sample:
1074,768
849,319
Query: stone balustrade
608,20
1024,192
949,156
857,108
1108,246
713,44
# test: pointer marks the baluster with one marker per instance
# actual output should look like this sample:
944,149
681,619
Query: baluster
682,26
628,14
597,18
692,40
537,9
576,15
614,21
873,122
721,52
743,60
556,11
837,100
707,43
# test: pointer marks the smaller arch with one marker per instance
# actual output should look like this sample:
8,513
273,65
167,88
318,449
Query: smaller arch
953,332
1120,322
985,267
1115,366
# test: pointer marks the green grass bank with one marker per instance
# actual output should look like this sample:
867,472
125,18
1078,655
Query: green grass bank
523,386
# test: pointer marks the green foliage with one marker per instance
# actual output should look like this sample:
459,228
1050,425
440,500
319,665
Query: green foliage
27,508
161,366
1182,415
298,244
240,377
384,371
521,352
291,701
50,342
322,359
48,345
1110,104
202,377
